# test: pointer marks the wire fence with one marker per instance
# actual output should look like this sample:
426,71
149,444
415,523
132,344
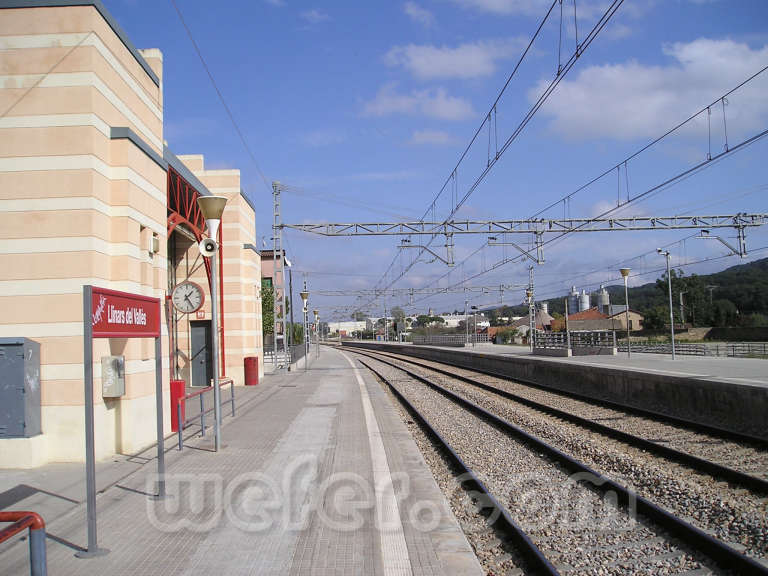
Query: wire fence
722,349
448,339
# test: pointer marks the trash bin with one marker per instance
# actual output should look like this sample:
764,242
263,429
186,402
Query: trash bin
251,370
178,390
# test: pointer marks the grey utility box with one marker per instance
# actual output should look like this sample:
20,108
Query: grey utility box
112,376
19,388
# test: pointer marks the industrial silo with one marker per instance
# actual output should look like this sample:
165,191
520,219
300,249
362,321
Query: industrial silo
573,301
603,300
584,301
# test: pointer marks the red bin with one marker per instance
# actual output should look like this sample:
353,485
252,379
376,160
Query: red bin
178,390
251,370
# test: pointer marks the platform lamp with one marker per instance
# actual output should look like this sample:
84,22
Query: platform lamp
671,313
317,332
625,274
304,297
212,208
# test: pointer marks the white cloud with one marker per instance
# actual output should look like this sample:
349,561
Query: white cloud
432,137
322,138
528,7
470,60
632,100
435,103
418,14
314,16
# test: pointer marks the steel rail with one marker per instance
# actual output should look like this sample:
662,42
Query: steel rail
698,426
526,547
718,471
699,540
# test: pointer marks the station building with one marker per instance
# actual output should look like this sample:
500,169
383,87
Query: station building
90,193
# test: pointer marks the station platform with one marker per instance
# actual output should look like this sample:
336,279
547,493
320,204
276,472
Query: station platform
753,371
730,394
317,475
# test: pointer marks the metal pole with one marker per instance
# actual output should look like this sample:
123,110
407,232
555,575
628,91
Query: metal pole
215,322
626,300
38,564
306,339
474,332
180,426
202,415
671,314
159,408
466,323
290,303
90,455
232,395
567,330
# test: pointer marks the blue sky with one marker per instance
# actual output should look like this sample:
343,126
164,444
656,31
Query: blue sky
363,109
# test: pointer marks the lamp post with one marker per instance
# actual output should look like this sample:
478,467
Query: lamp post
304,297
665,253
466,323
474,325
212,208
531,317
624,274
289,334
317,333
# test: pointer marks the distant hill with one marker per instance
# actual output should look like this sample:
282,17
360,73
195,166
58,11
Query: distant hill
739,297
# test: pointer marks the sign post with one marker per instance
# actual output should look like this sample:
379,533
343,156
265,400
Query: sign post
112,314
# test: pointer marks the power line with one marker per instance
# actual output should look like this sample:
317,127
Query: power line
221,98
561,73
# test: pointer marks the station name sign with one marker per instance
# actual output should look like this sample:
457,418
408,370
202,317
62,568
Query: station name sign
123,315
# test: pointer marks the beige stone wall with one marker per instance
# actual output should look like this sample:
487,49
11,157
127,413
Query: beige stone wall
241,269
76,208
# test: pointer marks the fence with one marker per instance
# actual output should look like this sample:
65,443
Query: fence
38,565
587,340
723,349
448,339
203,410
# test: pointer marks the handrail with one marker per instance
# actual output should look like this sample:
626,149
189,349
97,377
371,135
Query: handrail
21,520
180,403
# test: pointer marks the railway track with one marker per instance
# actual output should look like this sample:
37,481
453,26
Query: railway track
743,462
605,536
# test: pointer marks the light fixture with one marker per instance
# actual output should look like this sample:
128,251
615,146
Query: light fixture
212,208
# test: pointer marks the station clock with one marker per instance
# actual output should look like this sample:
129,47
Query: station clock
188,297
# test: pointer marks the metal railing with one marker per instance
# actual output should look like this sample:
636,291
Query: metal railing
38,565
448,339
203,410
722,349
576,339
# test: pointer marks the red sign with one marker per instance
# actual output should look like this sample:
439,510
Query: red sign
124,315
200,314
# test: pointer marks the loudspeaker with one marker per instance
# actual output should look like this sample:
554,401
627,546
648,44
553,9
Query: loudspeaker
208,247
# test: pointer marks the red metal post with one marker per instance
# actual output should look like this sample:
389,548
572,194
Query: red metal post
177,392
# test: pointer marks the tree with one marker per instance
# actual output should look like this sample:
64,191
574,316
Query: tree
358,316
267,306
655,318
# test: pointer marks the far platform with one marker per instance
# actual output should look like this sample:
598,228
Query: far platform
730,394
317,475
725,369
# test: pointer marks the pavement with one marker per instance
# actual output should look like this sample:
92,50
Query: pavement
748,371
317,475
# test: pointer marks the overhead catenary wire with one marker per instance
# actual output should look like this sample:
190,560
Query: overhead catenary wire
223,101
710,161
580,49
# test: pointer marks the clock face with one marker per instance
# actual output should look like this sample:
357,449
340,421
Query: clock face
187,297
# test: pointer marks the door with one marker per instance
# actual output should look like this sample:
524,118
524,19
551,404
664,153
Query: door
201,353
